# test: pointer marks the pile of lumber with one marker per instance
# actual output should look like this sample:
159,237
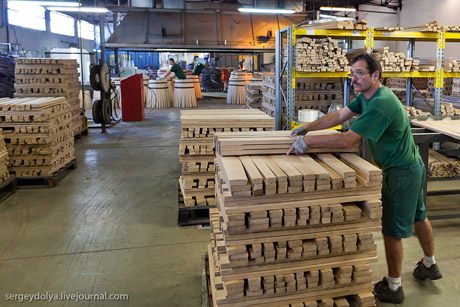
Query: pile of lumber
294,240
446,89
4,173
351,53
431,26
38,134
449,106
268,93
439,166
395,82
37,77
420,83
451,65
453,28
320,55
317,93
361,24
395,62
455,86
6,76
413,111
389,29
253,94
268,142
428,64
196,150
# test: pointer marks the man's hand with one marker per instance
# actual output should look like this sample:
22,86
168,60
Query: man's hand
299,146
298,131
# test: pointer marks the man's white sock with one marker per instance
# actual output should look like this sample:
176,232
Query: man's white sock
428,261
394,283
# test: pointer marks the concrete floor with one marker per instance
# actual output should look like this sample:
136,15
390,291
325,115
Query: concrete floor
110,226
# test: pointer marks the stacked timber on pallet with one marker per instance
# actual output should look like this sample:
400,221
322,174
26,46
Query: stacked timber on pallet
51,78
254,94
395,62
293,230
439,166
268,93
38,134
447,108
317,93
196,151
446,89
451,65
413,111
337,25
431,26
4,173
319,55
6,76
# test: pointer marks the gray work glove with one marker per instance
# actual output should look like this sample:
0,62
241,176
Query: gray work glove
299,145
299,131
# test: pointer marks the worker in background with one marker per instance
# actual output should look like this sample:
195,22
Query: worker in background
176,69
197,68
384,122
240,65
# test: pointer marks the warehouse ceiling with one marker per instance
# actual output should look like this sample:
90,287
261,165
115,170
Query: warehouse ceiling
210,25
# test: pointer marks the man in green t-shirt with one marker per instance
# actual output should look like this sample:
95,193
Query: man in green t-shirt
384,122
176,69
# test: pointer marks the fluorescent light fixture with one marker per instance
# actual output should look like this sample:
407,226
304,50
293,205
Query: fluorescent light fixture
265,11
328,16
48,3
79,9
337,9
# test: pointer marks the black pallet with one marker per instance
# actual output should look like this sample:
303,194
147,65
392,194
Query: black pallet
8,188
47,181
197,215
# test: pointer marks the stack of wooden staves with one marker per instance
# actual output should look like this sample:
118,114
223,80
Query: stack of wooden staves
254,95
337,25
294,230
446,89
268,93
6,76
317,93
439,166
38,134
51,78
451,65
196,151
395,62
4,173
320,55
455,87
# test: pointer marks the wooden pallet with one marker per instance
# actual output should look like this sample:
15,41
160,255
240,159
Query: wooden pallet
196,215
48,181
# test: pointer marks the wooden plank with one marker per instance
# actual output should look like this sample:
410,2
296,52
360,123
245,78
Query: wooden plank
363,165
268,176
447,127
337,165
251,169
292,172
233,171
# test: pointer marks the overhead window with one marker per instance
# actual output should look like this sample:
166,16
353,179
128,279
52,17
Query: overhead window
62,24
87,30
28,16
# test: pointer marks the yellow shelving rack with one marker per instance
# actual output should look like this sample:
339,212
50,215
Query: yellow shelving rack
290,34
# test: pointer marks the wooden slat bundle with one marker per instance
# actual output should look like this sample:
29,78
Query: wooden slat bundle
38,77
439,166
196,150
39,134
300,247
264,142
319,55
268,94
294,174
254,95
4,173
395,62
